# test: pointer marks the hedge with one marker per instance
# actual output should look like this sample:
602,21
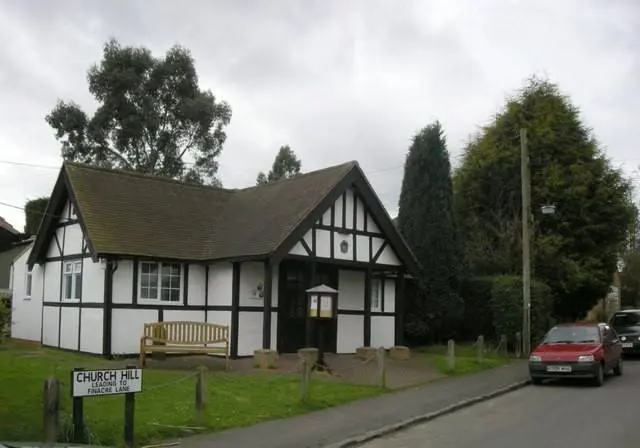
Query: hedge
478,317
506,307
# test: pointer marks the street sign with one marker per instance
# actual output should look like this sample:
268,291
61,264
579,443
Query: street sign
85,383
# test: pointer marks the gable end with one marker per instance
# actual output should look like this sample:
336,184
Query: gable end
61,194
354,178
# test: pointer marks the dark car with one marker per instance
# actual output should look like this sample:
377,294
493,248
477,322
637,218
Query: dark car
577,350
627,325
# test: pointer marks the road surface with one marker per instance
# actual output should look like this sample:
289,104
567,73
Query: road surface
549,416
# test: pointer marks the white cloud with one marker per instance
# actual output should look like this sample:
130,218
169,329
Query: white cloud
335,80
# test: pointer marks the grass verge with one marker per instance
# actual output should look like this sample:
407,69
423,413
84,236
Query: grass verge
166,403
466,359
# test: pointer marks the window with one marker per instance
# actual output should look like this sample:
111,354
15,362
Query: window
160,281
28,281
72,286
377,294
568,334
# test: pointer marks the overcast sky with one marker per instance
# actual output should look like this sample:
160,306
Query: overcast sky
337,80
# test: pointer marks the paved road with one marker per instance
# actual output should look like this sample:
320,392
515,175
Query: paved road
551,416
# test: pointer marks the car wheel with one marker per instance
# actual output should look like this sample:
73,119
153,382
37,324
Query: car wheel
617,370
599,379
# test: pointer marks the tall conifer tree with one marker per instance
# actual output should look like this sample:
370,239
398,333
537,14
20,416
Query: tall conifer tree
426,220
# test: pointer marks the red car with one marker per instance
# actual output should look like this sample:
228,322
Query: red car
577,350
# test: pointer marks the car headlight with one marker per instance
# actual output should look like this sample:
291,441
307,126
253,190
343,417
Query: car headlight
535,358
586,358
623,338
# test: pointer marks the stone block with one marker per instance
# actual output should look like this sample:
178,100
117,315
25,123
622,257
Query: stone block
366,352
400,352
265,359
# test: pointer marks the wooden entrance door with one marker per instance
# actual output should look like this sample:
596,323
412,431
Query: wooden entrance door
294,280
292,306
328,275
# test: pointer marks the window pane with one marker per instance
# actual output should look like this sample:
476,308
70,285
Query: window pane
165,295
67,286
78,290
165,282
77,267
174,295
68,267
150,292
149,268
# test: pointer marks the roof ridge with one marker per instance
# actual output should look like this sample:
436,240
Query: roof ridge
155,177
351,163
137,174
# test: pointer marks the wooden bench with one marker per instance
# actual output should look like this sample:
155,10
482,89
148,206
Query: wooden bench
185,337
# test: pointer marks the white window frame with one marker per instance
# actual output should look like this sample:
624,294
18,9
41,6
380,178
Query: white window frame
146,298
72,270
377,294
28,282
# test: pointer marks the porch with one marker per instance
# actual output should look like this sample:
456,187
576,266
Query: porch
367,307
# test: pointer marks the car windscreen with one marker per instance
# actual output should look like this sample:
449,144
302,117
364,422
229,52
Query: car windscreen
572,334
626,321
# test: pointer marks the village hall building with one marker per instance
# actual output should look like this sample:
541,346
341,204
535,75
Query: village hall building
118,249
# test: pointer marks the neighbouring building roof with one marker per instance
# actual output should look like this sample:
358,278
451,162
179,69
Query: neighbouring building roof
8,227
133,214
6,259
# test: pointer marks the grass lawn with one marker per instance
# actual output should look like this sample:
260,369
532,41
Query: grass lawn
466,359
233,400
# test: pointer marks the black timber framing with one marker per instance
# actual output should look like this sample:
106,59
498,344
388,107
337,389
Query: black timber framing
381,249
62,192
331,235
67,258
356,265
64,235
130,306
267,310
354,179
82,283
367,307
185,292
136,275
235,307
400,306
107,316
306,246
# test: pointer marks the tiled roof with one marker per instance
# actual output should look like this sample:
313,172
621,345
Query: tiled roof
5,225
140,215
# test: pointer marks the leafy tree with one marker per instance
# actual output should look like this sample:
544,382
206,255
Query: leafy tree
630,280
285,165
574,251
151,115
34,210
426,221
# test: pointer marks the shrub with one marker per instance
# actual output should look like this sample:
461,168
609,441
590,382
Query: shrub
506,307
478,318
5,319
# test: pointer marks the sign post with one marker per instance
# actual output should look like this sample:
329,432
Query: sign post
322,304
94,383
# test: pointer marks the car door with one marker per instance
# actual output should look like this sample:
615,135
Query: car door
610,346
616,346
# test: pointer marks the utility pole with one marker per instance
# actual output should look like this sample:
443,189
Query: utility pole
526,244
